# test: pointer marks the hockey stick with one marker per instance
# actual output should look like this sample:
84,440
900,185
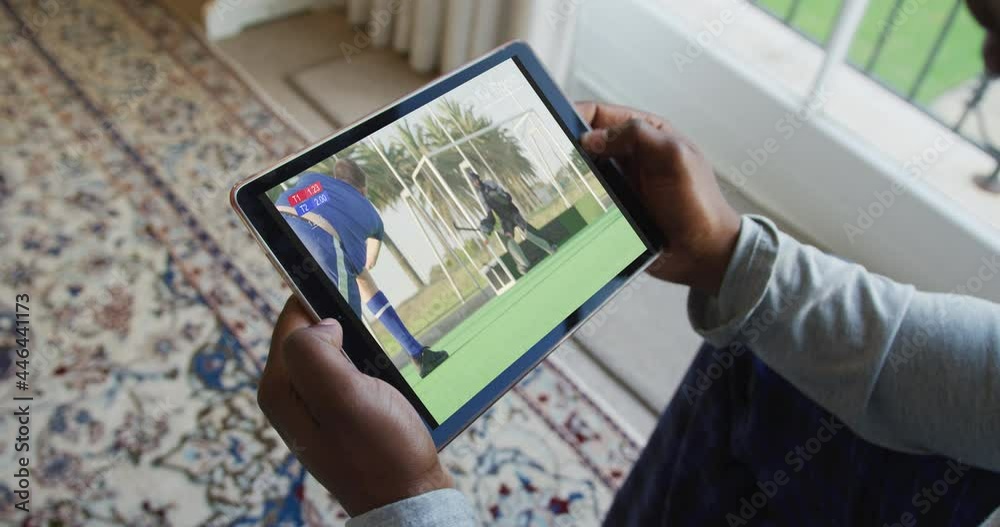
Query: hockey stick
461,228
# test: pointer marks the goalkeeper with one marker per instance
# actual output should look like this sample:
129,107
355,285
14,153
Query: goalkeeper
499,204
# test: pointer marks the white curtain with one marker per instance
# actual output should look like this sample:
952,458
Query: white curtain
441,35
437,35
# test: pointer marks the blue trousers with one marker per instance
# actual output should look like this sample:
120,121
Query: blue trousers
331,258
739,445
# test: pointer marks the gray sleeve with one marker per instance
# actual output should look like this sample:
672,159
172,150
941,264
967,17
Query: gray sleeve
439,508
908,370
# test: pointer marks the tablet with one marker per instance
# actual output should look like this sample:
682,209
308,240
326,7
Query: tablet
458,235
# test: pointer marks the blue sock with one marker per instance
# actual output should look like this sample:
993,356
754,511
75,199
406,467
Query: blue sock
383,311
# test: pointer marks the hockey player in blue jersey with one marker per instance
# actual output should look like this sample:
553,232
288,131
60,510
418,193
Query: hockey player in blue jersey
343,231
500,204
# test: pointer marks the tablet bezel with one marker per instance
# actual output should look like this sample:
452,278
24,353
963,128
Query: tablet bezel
298,268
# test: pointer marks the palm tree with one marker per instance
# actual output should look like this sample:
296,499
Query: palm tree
412,145
498,147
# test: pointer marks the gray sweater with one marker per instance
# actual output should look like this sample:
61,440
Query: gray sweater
911,371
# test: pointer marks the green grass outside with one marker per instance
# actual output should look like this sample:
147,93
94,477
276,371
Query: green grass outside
490,340
908,45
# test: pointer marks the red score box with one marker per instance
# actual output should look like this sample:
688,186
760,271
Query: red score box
305,194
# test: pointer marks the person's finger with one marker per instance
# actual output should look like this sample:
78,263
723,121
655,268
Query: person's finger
291,418
619,140
586,109
293,316
274,377
274,387
318,369
602,115
276,398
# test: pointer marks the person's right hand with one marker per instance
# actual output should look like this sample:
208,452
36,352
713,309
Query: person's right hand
676,185
357,435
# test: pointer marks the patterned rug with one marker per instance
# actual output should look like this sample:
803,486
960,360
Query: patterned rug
151,309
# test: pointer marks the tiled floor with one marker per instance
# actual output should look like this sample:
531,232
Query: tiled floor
632,354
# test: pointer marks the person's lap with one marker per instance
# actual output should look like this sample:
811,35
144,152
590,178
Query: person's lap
739,445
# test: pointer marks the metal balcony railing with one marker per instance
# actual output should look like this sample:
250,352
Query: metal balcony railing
841,33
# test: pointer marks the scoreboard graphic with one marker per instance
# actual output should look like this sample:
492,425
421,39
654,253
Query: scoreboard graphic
308,198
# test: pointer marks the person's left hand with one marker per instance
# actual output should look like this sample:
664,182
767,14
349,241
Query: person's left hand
358,436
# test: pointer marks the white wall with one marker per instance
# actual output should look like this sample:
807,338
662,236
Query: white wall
816,176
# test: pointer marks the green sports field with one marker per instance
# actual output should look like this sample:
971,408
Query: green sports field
497,334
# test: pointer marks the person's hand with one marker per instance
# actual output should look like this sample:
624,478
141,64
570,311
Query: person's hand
677,187
486,227
357,435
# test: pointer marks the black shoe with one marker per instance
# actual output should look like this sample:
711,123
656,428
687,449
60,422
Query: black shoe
430,359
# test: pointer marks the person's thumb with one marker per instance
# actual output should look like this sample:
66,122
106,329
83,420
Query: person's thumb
618,140
316,364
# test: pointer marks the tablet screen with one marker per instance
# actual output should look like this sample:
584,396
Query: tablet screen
462,233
